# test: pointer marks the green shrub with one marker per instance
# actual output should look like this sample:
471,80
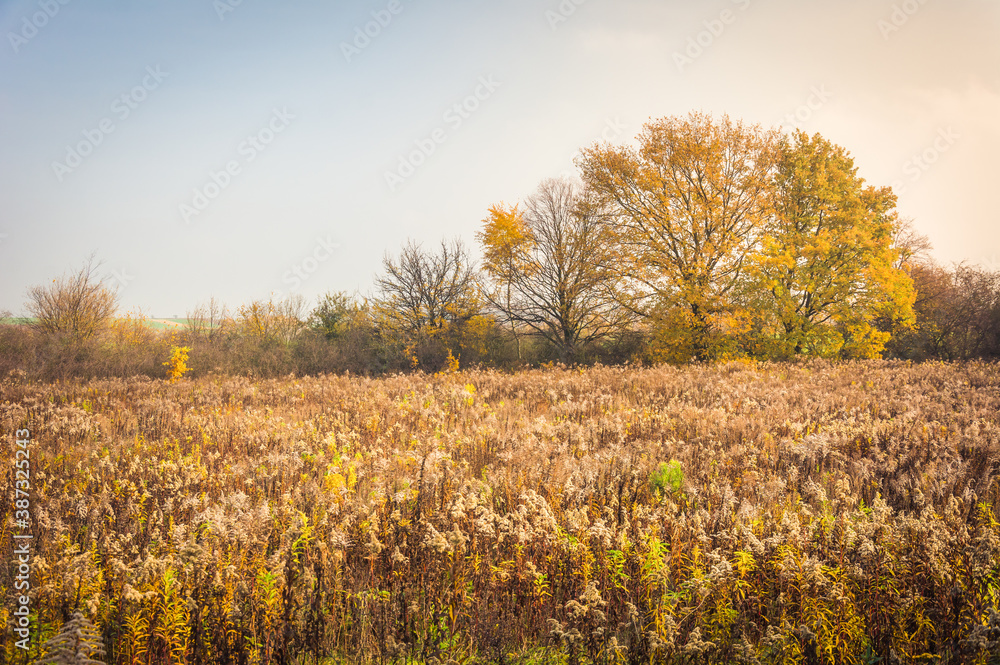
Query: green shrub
668,476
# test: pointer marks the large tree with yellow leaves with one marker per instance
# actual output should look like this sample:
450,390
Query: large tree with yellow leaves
729,232
828,264
687,209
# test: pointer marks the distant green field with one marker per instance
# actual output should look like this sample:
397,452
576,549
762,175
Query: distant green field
165,324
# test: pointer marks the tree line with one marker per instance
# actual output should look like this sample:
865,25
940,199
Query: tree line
708,239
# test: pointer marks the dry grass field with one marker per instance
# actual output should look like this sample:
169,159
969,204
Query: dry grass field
736,513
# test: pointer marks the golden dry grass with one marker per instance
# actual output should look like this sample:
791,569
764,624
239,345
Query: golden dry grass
828,513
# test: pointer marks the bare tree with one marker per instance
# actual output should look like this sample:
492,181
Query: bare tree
912,247
421,291
207,319
78,305
562,287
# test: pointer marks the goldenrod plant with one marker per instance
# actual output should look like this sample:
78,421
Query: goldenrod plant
76,644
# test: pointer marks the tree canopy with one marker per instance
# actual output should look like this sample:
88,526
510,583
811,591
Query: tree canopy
687,208
827,260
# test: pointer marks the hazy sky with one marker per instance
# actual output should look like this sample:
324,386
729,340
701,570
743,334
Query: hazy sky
235,148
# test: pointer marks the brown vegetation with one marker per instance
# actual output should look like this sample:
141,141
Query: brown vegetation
741,513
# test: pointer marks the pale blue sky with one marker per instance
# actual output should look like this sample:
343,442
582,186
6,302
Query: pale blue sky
198,81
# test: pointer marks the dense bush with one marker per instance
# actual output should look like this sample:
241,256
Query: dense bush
958,314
